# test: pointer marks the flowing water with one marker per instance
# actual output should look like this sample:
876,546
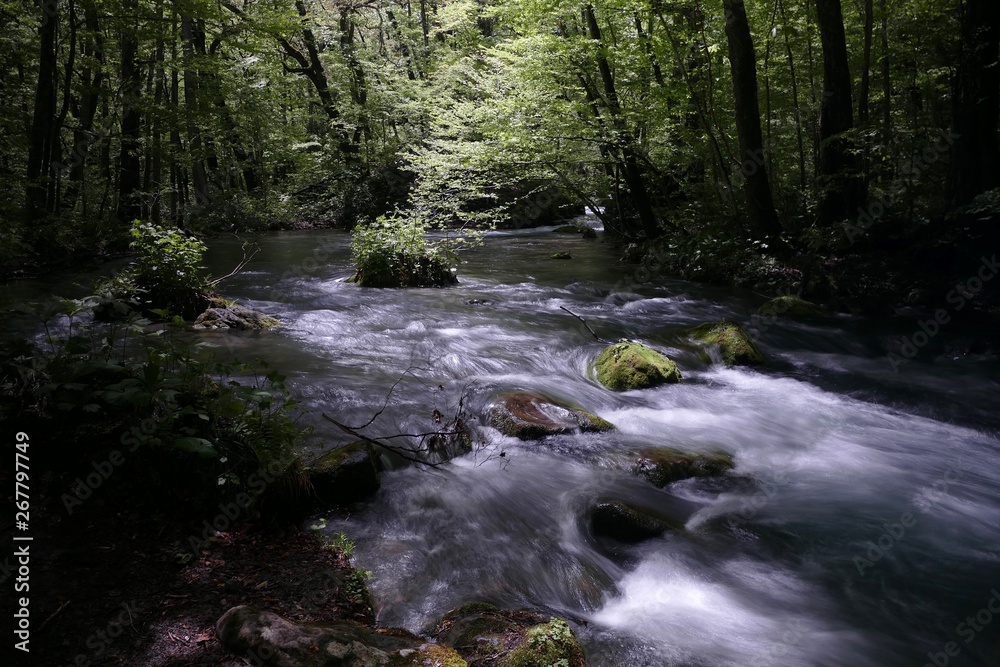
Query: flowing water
861,525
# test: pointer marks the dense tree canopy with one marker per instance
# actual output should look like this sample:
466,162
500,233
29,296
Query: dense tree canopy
805,119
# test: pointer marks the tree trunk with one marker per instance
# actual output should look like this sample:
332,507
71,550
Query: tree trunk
977,104
129,161
196,147
91,80
756,185
838,169
43,126
625,143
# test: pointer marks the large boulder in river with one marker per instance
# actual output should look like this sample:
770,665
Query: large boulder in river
268,639
345,475
662,466
529,416
731,340
486,636
628,523
795,308
627,365
235,317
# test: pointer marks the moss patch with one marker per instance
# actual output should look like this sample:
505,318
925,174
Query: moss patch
624,366
429,655
664,466
549,644
733,342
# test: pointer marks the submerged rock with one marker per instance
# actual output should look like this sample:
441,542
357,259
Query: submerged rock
626,365
562,255
236,317
345,475
734,344
664,466
795,308
529,416
270,639
628,523
487,636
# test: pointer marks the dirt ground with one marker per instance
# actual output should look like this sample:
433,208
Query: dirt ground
111,584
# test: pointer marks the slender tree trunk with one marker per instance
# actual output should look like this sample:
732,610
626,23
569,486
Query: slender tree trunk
886,80
129,161
196,146
756,186
838,170
43,131
625,143
84,136
976,163
864,93
795,101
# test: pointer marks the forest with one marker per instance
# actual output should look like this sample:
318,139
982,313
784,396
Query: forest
500,333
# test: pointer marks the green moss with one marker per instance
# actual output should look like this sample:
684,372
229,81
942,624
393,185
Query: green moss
624,366
336,457
663,466
589,422
735,345
549,644
794,307
429,655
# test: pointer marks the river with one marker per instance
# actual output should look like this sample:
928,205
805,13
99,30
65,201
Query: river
861,525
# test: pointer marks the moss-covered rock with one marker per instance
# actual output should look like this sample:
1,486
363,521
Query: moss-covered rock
628,523
345,475
664,466
486,636
735,346
428,655
795,308
550,644
562,255
626,365
235,317
529,416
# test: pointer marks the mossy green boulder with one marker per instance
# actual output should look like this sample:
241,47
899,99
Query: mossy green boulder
795,308
662,466
530,416
428,655
735,346
626,365
550,644
486,636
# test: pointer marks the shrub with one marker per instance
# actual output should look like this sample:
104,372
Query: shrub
203,425
393,252
166,273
